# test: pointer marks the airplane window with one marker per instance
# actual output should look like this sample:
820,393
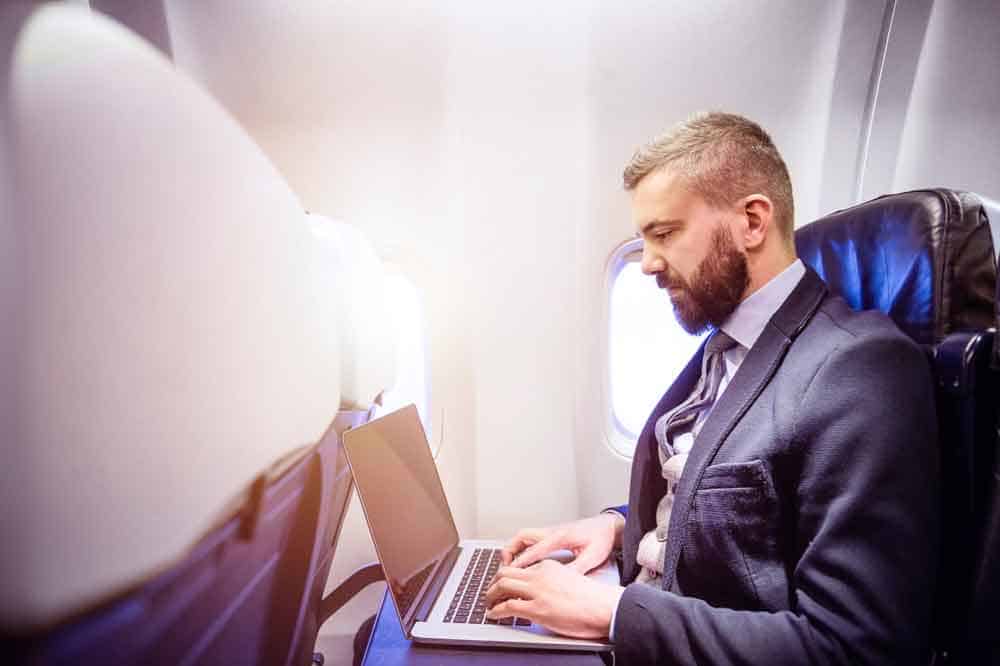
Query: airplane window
411,383
647,348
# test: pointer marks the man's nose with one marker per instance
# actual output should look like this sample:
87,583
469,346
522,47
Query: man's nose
651,263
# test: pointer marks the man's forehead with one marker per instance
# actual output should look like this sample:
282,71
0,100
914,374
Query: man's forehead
662,177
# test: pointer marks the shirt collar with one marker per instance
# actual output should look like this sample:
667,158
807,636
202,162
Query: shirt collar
751,316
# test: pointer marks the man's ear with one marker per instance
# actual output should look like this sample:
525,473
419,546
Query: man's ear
759,212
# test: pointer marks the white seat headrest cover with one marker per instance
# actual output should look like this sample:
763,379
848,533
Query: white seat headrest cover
174,334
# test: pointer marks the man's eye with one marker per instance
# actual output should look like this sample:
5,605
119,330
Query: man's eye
662,235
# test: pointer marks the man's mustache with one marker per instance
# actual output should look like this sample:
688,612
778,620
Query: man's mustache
664,281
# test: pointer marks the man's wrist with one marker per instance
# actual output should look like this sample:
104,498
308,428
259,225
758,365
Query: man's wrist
619,525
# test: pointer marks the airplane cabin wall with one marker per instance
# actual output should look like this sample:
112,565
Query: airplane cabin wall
654,66
480,147
424,129
10,269
951,134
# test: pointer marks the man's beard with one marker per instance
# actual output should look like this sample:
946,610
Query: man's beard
716,287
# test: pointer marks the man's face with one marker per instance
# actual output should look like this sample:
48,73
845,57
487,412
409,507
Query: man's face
689,248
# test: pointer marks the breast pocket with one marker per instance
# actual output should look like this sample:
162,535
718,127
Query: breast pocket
732,551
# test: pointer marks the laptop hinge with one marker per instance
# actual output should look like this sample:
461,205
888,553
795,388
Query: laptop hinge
433,589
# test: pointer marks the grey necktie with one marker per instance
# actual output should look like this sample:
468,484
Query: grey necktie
681,417
684,415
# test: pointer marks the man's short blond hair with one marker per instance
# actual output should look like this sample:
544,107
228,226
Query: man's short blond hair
722,157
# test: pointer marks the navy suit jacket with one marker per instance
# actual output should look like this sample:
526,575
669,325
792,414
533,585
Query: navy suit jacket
805,526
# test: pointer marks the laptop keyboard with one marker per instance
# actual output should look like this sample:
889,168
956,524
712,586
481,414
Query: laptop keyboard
468,606
408,594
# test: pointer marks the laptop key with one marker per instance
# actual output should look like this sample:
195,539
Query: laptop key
468,604
522,622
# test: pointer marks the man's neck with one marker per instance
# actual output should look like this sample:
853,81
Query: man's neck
764,271
748,320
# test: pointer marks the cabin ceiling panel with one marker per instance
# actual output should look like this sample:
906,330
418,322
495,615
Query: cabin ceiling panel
312,61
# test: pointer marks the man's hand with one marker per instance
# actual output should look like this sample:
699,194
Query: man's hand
556,596
590,540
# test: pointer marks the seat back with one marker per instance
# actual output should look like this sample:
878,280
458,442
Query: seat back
251,591
982,642
168,336
366,331
231,599
926,259
368,350
968,395
337,487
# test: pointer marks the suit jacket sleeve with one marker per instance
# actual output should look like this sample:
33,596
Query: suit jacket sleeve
623,509
865,531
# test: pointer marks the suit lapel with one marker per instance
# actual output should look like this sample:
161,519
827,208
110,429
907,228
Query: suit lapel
757,369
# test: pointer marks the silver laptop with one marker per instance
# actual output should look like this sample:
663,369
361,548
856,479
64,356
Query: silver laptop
436,582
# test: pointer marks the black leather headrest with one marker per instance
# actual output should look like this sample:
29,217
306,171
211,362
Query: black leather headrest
925,258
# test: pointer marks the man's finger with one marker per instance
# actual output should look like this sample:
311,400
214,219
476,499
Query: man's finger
507,588
536,552
512,572
588,559
519,542
511,608
508,572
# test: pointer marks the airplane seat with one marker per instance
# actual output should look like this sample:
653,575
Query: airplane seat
926,258
992,209
368,368
982,643
367,338
171,358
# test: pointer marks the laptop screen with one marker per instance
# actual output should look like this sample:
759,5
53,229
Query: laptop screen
403,499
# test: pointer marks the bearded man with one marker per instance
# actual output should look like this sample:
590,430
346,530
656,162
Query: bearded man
783,506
